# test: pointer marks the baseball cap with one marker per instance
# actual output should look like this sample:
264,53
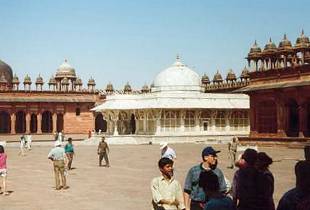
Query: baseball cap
209,151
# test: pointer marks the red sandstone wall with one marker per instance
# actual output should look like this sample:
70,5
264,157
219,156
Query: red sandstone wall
78,124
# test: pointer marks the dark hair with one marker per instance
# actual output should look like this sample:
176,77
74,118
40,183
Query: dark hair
164,161
70,139
250,156
209,181
1,149
263,161
302,171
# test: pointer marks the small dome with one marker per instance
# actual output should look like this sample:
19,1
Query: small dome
65,81
245,73
217,77
15,79
78,81
109,87
177,77
145,89
255,49
285,45
127,88
3,79
27,79
39,80
231,76
270,47
6,70
91,81
205,79
302,41
65,70
52,81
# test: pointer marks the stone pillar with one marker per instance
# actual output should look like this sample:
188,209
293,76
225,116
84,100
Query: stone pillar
301,117
227,124
197,118
280,116
28,119
13,121
145,123
54,122
213,115
158,118
115,132
115,120
182,120
39,124
252,116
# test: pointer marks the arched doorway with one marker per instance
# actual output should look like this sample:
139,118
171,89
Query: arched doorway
20,126
5,122
60,122
267,117
100,123
33,123
292,119
132,125
47,122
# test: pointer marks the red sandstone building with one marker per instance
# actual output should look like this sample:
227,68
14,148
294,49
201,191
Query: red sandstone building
279,89
63,107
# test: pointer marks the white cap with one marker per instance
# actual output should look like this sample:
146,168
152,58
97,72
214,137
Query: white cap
57,143
163,145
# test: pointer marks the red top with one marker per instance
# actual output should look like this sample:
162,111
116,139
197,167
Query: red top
3,157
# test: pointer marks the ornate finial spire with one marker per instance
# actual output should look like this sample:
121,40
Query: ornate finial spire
66,60
302,32
178,61
284,38
270,41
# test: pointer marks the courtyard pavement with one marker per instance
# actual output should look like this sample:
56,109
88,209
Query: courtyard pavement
125,185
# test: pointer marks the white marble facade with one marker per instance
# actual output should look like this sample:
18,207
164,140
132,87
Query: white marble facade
176,106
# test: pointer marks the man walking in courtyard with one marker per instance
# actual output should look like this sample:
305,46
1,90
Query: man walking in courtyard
58,156
232,149
166,191
102,151
194,196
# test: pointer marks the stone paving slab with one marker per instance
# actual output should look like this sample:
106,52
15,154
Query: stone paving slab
125,185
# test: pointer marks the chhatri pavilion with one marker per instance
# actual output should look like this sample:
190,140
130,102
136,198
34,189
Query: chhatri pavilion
176,108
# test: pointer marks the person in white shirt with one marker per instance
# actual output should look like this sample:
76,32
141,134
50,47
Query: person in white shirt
167,151
58,156
166,191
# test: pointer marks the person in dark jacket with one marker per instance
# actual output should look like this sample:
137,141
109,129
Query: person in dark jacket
298,198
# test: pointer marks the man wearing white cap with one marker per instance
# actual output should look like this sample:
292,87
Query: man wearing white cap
58,156
167,151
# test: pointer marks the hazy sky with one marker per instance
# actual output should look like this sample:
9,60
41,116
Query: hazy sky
133,40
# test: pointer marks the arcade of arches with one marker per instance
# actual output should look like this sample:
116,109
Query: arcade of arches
281,113
27,122
151,122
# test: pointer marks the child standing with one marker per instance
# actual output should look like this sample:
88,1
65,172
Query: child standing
3,169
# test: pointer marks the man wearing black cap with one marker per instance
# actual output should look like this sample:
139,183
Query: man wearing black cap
194,196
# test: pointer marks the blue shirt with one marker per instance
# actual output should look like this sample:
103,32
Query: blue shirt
69,148
191,185
224,203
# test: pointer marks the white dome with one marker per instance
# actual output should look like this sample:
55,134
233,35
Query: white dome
65,70
178,77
